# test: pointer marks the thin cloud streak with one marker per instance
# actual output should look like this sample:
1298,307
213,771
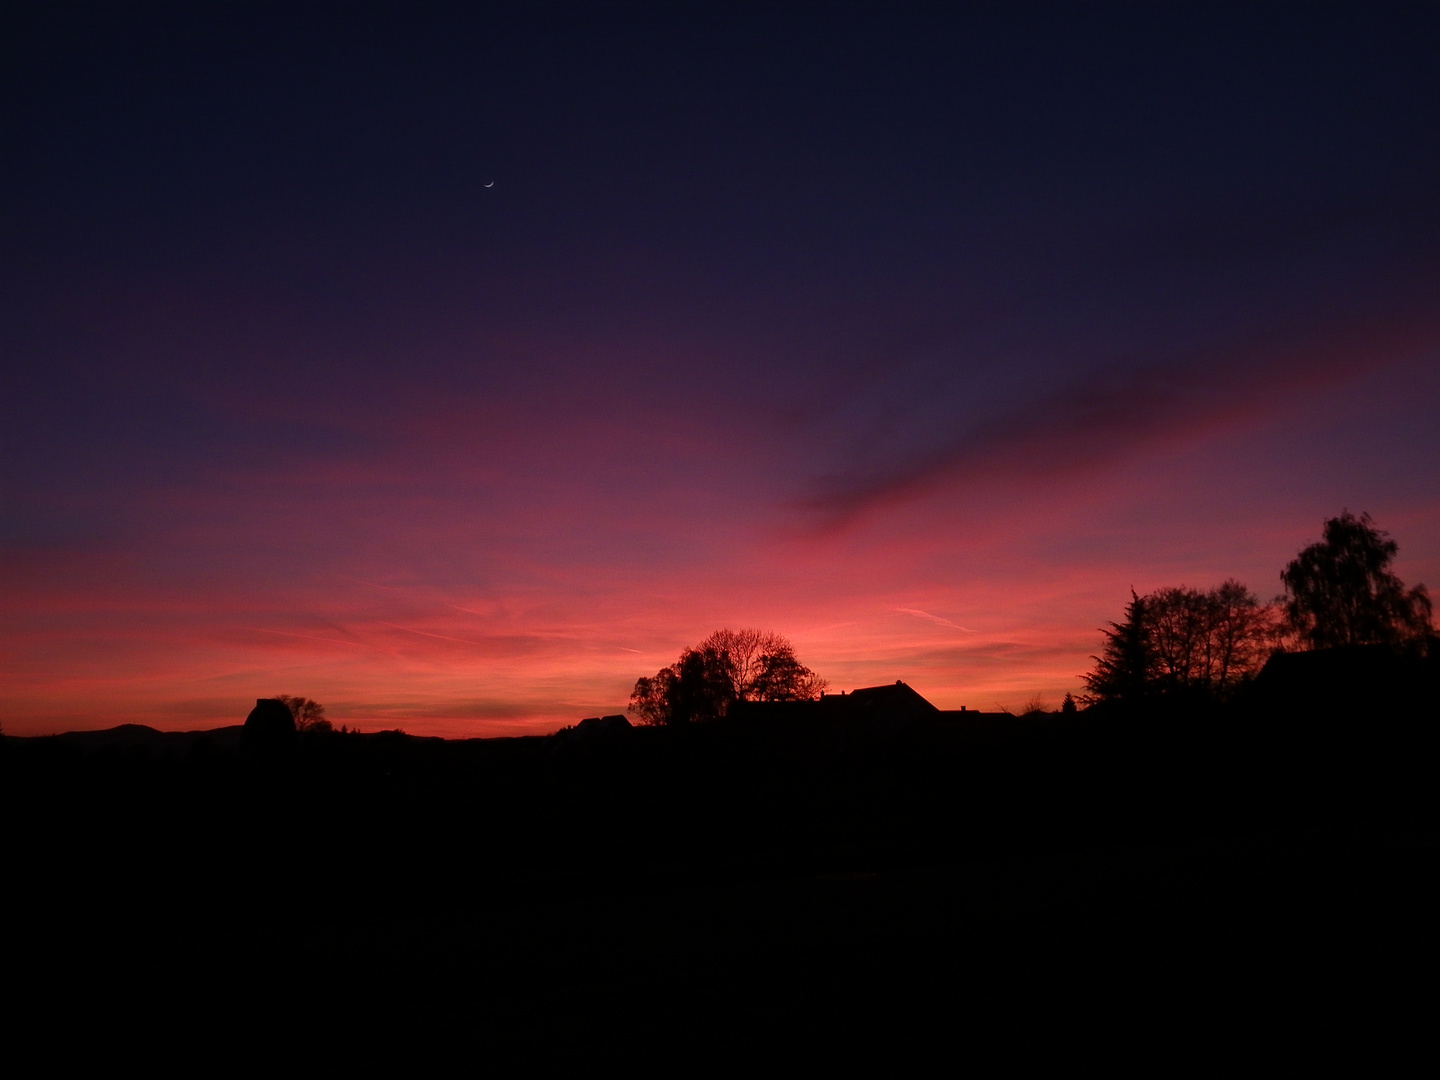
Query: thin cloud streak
1116,413
936,619
311,637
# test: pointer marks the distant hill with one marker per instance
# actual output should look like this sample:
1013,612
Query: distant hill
141,739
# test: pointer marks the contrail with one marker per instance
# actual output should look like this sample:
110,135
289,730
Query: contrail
935,619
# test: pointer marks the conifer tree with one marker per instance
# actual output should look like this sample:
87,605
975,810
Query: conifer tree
1124,668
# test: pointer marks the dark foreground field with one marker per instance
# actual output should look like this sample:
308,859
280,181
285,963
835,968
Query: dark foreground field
906,887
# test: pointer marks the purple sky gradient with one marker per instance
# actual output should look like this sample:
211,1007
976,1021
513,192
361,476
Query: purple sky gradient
918,337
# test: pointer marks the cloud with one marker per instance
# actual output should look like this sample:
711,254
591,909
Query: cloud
1078,420
936,619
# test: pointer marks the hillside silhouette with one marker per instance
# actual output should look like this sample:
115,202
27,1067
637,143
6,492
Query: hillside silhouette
816,869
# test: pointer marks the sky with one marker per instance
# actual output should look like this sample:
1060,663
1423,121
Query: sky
455,366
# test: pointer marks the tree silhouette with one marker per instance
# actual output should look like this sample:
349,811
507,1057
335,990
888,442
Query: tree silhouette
727,667
1341,591
1124,667
309,715
1205,643
1183,642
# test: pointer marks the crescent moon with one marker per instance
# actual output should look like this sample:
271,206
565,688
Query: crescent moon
490,184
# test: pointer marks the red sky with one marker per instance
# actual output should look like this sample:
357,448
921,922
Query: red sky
456,619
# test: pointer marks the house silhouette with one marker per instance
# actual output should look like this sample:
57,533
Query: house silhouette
895,699
892,703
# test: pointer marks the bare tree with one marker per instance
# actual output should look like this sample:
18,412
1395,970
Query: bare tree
761,666
309,715
1242,633
727,667
1034,706
1205,642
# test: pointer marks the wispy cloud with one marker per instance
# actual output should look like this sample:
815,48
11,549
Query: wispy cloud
312,637
936,619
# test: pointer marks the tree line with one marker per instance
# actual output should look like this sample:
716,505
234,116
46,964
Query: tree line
1339,593
1176,642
